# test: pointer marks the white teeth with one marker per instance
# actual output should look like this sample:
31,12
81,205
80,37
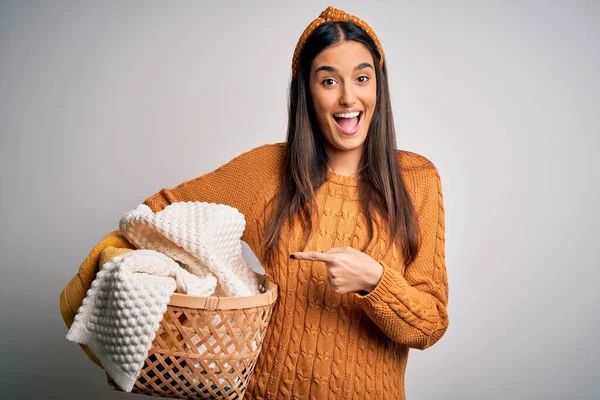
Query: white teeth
347,115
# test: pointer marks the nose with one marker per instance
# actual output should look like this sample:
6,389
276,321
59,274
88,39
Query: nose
347,97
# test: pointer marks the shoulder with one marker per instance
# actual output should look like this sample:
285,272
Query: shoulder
260,164
263,158
269,149
420,175
409,160
264,155
411,163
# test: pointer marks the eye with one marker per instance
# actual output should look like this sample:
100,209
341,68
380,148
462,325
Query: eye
365,80
327,80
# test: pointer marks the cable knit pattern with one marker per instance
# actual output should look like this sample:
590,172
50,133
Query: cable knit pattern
123,308
320,344
204,237
410,307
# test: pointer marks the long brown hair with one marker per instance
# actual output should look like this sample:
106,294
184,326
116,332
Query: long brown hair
380,182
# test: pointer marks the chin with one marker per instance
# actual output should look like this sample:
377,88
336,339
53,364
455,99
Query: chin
342,142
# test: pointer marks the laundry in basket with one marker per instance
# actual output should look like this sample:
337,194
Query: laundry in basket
204,238
123,309
218,363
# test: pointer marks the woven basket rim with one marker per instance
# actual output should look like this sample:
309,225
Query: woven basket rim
229,302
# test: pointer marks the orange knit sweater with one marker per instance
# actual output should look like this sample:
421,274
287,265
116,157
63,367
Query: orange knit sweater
320,344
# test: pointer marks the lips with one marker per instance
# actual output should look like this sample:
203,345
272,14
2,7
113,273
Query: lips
346,131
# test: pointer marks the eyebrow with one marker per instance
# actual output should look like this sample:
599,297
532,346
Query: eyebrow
332,69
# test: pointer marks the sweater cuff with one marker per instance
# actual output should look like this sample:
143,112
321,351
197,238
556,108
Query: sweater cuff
383,289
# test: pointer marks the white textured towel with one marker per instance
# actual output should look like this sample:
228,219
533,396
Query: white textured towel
121,312
203,237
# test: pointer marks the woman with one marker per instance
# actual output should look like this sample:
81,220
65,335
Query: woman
349,227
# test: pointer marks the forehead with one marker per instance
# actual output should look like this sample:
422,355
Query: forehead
343,56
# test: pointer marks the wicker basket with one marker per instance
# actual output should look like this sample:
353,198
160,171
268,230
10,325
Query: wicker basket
206,347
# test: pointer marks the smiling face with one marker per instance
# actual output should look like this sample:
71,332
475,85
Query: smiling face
344,93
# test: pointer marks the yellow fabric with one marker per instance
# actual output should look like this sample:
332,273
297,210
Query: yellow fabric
320,344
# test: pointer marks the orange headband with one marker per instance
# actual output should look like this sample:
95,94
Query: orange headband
331,14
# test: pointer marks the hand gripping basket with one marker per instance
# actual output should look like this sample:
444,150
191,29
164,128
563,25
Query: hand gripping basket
206,347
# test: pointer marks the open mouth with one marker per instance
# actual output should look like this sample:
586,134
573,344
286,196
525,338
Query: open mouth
350,123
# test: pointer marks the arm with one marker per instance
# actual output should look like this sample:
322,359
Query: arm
234,183
411,308
228,184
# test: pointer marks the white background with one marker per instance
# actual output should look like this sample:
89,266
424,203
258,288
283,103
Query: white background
104,103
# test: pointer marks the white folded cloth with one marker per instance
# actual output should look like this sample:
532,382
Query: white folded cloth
203,237
121,312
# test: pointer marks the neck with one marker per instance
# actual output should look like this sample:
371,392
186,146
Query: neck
344,162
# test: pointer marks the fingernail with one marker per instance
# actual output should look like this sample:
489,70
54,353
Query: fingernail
292,256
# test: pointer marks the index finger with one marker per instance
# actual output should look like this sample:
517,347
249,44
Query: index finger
312,255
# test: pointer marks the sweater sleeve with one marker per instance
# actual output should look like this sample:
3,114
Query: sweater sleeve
412,308
233,183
